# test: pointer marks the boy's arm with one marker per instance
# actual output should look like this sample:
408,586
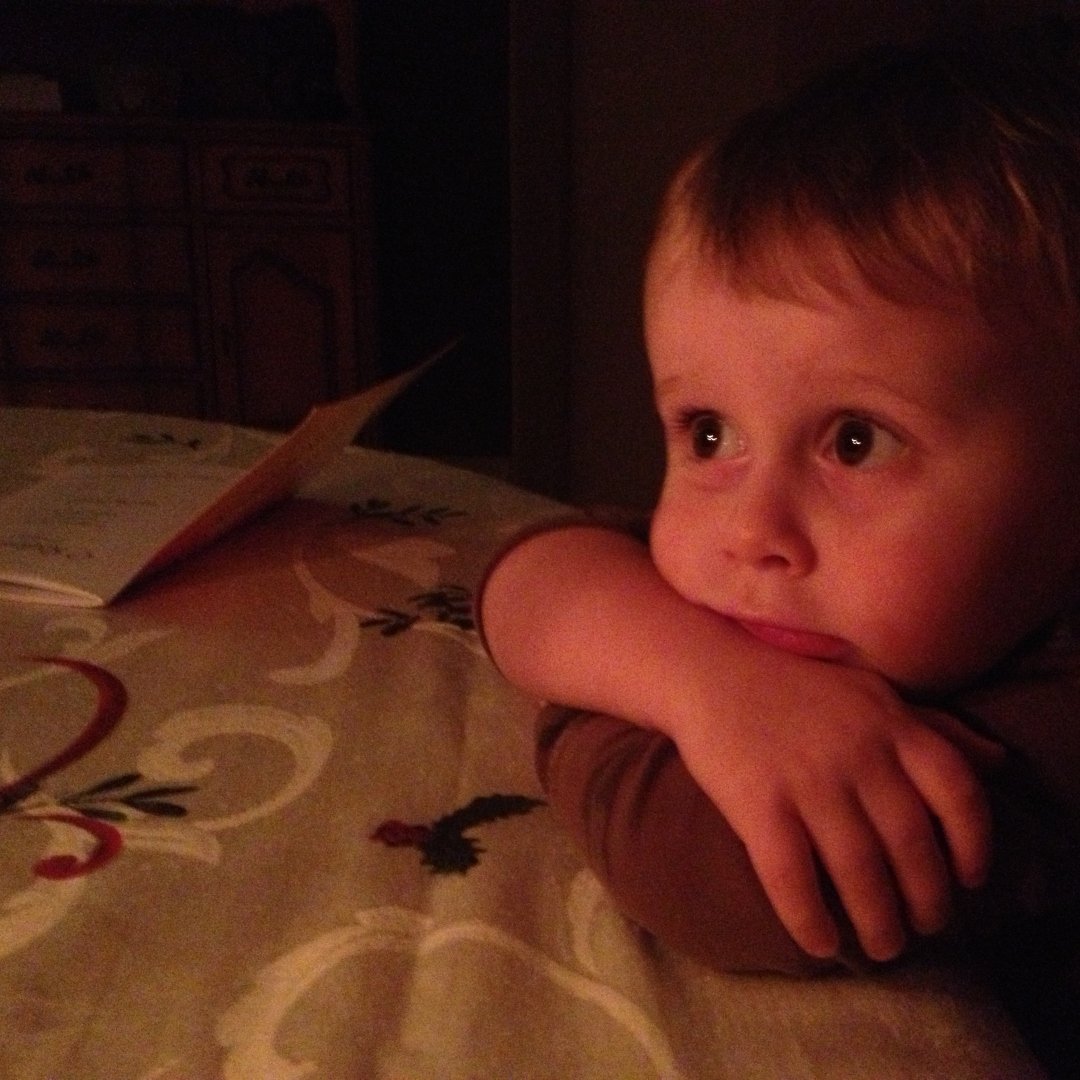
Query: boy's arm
807,761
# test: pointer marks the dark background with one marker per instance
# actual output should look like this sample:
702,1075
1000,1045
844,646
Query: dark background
433,91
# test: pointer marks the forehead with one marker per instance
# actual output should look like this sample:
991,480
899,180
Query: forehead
813,265
823,310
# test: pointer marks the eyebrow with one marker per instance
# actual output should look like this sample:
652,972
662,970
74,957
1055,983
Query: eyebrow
666,386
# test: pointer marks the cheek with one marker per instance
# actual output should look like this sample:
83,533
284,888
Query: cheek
677,547
912,619
944,607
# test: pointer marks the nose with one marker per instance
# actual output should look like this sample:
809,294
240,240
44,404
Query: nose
765,523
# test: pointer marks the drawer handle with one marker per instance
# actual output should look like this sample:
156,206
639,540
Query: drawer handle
290,178
77,259
90,339
68,175
299,180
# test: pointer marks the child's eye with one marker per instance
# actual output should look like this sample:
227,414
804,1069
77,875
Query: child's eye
860,443
710,436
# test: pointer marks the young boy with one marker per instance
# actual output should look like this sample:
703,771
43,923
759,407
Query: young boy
835,702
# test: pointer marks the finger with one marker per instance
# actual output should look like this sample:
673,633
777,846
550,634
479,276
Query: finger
851,852
954,795
913,852
784,863
984,753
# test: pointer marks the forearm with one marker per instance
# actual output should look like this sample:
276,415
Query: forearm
580,616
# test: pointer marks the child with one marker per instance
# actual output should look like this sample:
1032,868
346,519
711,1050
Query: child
835,703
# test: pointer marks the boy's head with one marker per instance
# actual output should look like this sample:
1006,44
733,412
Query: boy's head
862,318
954,170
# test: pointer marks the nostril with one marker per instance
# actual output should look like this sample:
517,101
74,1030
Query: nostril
781,551
779,562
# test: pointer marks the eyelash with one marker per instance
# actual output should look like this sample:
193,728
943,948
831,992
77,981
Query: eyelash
686,418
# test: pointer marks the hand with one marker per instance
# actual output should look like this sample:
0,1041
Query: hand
827,769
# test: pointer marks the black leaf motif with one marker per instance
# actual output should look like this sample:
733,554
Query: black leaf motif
407,516
156,807
99,813
94,801
451,853
390,622
113,784
484,809
163,792
451,604
164,438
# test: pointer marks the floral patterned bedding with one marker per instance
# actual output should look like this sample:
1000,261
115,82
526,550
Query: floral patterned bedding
272,815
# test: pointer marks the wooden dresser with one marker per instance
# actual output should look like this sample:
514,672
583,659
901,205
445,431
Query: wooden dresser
210,269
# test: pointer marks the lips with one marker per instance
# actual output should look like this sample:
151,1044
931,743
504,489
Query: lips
799,642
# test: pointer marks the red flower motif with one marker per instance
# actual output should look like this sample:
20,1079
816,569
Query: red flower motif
62,867
401,834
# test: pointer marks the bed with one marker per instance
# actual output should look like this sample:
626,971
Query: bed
272,815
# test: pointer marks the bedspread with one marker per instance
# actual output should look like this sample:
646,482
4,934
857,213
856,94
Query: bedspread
273,815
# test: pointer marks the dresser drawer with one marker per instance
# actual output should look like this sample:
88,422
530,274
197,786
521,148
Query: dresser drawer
170,397
87,258
262,178
94,338
40,173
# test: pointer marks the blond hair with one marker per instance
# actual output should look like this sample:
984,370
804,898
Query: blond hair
928,169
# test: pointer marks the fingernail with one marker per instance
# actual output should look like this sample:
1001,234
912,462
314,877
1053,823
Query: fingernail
887,948
823,946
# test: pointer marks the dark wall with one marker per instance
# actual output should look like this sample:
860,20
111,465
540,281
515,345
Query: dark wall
434,97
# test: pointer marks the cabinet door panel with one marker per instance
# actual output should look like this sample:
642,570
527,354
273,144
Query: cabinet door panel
285,311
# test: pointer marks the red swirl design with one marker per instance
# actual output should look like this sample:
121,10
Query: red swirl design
111,703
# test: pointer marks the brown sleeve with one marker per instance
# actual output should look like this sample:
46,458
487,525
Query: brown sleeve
1032,706
666,855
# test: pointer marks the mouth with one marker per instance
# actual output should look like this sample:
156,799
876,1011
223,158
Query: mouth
800,642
